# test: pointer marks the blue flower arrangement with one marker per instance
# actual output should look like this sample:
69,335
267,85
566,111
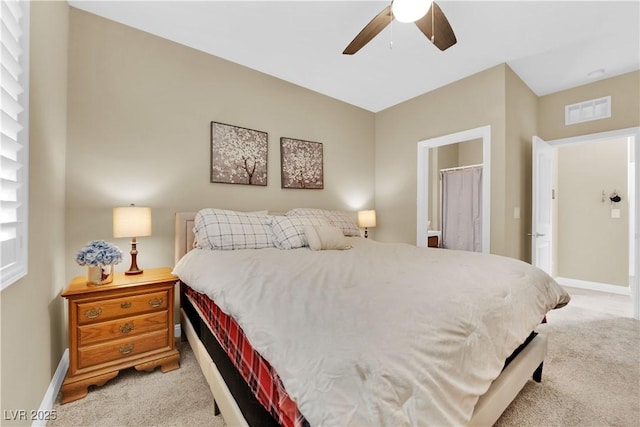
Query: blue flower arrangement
99,252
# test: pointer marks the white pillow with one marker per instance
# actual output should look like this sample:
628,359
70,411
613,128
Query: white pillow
344,222
227,230
341,219
288,231
323,237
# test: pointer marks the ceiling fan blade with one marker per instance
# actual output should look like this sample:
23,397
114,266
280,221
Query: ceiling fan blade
371,30
444,37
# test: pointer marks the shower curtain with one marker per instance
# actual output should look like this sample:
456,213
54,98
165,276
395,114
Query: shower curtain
462,208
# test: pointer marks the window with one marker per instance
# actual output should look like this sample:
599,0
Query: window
14,146
588,110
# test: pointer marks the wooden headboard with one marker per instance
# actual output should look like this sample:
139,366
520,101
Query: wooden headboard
184,234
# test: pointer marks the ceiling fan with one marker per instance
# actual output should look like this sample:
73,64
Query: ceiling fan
426,14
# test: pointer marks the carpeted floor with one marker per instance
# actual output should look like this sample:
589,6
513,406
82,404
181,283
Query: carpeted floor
591,378
591,374
177,398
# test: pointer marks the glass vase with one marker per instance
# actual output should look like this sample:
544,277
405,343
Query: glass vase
100,274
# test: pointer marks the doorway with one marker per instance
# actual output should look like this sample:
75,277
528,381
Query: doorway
586,171
428,188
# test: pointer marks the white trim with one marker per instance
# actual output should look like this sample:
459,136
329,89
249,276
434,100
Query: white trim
483,132
613,134
54,387
594,286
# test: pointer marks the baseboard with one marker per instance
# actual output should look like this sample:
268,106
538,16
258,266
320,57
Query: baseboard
54,387
594,286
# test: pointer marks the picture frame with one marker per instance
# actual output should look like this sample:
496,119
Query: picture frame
301,164
238,155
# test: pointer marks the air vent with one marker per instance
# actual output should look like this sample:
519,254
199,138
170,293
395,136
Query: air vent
588,110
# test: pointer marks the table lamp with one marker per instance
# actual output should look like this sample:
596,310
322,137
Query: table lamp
366,219
132,221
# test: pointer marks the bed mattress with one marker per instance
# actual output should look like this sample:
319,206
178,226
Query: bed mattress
257,373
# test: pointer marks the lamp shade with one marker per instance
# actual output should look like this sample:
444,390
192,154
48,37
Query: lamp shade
367,218
410,10
131,221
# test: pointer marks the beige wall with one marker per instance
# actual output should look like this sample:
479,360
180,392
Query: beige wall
470,153
592,245
495,97
521,124
140,109
33,327
625,107
475,101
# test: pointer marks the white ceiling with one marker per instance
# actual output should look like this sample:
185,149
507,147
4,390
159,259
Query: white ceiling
551,45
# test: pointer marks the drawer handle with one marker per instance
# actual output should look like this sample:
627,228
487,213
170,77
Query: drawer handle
93,313
126,349
126,328
156,302
126,304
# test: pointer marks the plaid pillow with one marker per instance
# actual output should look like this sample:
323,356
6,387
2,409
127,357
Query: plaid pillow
227,230
307,212
340,219
344,222
288,231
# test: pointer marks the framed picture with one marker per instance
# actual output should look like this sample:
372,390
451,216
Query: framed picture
301,163
238,155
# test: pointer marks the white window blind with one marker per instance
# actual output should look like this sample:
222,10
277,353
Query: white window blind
14,150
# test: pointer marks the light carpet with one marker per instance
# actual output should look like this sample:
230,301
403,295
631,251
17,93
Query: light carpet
591,374
177,398
591,377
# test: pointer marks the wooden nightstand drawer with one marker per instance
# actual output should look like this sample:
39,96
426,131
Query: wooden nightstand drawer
99,311
120,349
128,323
114,329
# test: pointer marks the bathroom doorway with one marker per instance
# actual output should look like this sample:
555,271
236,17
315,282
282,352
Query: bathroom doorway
472,145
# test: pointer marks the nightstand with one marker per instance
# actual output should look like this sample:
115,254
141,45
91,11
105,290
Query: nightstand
123,324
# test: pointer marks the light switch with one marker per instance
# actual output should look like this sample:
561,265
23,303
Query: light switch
516,213
615,213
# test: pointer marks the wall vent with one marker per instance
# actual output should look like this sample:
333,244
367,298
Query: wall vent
588,110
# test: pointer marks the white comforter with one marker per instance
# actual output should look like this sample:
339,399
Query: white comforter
382,334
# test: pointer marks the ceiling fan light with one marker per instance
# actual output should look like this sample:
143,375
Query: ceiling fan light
410,10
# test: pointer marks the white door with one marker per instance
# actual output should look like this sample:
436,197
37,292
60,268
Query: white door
541,205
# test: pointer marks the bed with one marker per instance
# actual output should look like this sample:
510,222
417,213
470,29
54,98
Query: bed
368,393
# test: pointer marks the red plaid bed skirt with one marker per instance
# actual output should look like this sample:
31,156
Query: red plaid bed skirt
257,372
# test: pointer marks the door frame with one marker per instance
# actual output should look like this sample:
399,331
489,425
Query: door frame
634,226
483,133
